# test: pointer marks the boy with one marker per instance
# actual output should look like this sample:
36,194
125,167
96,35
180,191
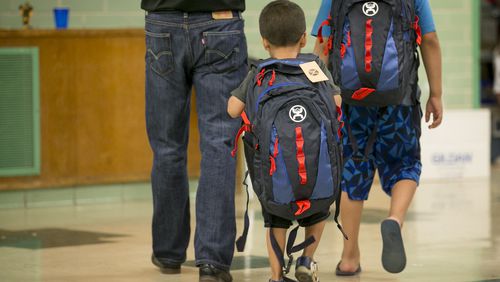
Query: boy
396,149
282,27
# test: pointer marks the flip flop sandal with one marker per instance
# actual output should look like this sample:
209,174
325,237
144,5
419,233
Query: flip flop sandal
393,251
339,272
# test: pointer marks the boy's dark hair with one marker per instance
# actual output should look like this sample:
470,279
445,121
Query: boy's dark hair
282,23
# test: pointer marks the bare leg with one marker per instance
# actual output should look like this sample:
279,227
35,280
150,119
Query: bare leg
393,252
280,235
402,194
315,230
350,216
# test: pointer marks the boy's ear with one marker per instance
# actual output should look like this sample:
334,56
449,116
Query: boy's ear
266,43
303,40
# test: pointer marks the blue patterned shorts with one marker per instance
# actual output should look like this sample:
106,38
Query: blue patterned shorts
395,151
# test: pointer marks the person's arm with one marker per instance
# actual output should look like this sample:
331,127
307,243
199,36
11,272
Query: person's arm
323,13
338,100
235,107
431,55
319,50
334,89
235,104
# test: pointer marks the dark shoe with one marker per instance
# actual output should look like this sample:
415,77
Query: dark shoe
166,268
306,270
210,273
339,272
393,250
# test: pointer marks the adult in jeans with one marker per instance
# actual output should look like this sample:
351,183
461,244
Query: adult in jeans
198,44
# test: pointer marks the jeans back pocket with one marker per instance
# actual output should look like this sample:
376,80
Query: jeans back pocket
225,51
159,55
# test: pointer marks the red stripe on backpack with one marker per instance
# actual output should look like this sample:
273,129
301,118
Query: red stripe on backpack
368,45
301,157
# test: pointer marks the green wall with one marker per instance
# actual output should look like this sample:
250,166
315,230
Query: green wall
456,22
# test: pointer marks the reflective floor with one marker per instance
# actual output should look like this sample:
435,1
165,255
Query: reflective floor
452,234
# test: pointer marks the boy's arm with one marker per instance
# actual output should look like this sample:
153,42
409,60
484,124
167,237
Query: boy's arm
235,104
235,107
319,50
335,89
431,55
338,100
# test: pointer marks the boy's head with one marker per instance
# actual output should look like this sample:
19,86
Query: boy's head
282,23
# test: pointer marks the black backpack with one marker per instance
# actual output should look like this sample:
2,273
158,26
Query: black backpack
292,142
373,50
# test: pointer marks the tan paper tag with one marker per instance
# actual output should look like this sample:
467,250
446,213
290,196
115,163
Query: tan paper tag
313,72
222,15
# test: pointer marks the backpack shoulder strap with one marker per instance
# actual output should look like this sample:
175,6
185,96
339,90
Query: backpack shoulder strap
307,57
280,62
288,66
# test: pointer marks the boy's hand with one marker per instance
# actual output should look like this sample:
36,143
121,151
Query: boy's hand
338,100
435,107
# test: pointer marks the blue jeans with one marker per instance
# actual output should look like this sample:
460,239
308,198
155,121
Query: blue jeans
185,50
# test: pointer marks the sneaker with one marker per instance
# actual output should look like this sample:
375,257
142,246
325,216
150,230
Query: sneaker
166,268
306,270
210,273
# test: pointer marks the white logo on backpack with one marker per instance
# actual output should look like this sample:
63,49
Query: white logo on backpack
297,113
370,9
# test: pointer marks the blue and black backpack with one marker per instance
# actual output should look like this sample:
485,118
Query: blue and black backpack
292,142
373,50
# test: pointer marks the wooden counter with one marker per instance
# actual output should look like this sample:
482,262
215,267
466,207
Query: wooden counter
91,108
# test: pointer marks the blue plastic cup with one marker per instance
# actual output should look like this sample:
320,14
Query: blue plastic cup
61,17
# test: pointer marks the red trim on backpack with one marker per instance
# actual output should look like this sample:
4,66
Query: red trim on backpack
303,206
342,50
301,158
273,78
339,118
320,28
343,47
368,45
246,127
418,30
361,93
260,76
245,119
272,158
328,46
273,165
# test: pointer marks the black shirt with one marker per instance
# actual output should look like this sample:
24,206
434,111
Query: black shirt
192,5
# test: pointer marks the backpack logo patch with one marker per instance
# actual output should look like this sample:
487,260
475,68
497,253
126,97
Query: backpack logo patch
313,72
297,113
370,9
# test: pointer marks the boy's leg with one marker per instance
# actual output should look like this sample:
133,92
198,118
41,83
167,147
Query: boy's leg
316,231
280,236
306,269
357,179
350,216
399,170
402,194
393,251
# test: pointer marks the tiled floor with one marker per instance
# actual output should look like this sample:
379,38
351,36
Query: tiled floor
452,234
